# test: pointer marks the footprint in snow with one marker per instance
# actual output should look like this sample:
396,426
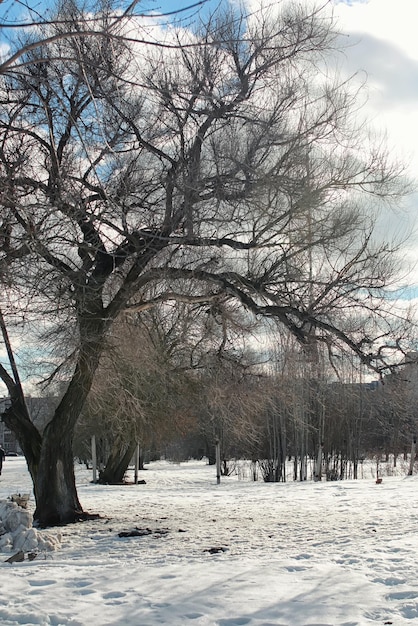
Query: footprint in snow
402,595
234,621
41,583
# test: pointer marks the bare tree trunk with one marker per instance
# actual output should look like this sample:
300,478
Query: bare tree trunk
318,468
141,459
56,495
117,464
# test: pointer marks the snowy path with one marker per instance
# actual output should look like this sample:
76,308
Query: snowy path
295,554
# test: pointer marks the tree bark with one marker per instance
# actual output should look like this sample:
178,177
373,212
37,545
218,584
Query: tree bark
56,501
117,464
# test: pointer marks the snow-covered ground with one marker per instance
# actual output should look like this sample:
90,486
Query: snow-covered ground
238,553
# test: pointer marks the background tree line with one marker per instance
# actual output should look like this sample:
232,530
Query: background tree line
175,394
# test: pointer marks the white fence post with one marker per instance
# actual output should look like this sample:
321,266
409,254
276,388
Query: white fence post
136,464
218,461
413,454
94,458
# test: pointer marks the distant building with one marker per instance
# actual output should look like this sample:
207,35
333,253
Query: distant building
40,410
7,437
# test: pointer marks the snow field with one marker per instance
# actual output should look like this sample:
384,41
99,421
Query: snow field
238,553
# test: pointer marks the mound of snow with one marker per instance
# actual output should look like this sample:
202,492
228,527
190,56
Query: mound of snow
17,533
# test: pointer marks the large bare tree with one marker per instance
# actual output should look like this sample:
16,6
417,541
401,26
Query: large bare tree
218,163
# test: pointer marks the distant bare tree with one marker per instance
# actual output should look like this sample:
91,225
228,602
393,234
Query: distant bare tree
142,393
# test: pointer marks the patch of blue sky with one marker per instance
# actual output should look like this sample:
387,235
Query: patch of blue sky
12,11
16,14
17,11
169,7
350,2
30,358
406,293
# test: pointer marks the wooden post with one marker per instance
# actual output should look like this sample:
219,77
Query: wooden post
413,454
94,458
378,479
136,464
218,461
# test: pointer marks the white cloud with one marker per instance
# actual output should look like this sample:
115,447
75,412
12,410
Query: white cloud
380,42
393,22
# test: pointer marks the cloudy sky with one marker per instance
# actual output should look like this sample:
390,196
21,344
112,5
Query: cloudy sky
385,47
380,40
